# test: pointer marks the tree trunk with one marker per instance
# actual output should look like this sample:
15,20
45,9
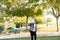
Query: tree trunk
57,24
57,19
26,22
55,15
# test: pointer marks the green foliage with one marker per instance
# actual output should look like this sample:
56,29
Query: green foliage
2,28
1,17
54,3
20,9
1,20
27,11
40,19
55,6
30,1
39,12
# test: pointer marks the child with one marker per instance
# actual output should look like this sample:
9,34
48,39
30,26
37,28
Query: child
33,29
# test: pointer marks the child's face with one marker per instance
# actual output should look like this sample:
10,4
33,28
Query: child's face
34,22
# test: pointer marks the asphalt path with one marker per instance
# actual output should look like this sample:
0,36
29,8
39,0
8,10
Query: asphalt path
41,34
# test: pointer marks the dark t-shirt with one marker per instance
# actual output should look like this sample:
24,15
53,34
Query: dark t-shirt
32,27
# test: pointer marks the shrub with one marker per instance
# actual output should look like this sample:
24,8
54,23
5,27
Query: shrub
1,28
9,28
14,31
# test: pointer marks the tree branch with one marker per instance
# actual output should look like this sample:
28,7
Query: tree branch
53,12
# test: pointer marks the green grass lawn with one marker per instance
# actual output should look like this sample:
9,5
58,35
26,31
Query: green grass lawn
50,38
40,38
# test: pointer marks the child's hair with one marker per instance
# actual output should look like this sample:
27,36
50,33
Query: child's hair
36,21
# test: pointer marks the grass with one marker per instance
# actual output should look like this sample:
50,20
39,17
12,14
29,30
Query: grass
45,38
50,38
40,38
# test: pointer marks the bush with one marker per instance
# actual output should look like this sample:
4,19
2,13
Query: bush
9,28
14,31
1,28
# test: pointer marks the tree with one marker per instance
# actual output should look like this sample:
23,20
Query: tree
21,9
55,6
30,11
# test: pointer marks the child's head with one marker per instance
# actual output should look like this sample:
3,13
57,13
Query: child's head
35,21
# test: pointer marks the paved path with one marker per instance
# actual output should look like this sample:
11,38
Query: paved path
42,34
